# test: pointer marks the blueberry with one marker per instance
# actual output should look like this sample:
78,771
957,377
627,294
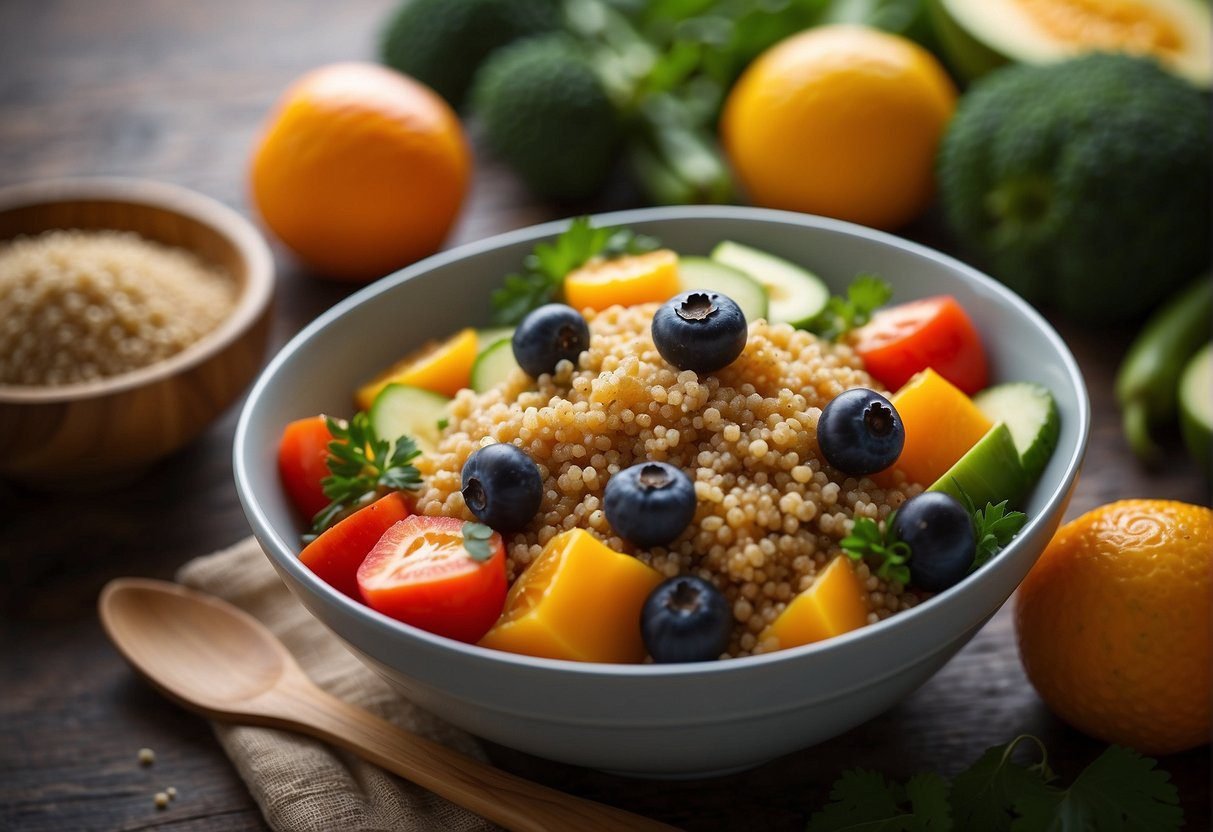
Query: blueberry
860,432
699,330
940,534
649,504
502,486
547,335
686,619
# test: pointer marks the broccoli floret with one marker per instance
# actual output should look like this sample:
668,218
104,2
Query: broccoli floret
442,42
543,111
1084,185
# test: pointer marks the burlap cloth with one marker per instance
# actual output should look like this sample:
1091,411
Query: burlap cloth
302,784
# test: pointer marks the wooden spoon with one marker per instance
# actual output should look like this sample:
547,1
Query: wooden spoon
221,662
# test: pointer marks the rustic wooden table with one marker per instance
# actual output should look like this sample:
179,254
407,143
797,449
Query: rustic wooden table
176,91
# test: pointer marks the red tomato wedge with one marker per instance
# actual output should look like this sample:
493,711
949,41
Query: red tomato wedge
420,573
340,549
934,332
303,463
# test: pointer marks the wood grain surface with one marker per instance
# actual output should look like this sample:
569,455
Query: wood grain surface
176,91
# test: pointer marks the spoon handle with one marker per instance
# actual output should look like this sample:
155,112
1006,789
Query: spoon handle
510,801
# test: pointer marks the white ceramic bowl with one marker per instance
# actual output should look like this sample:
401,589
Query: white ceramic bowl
653,720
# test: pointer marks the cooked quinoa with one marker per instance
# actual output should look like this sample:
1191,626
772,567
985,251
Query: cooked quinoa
82,305
769,514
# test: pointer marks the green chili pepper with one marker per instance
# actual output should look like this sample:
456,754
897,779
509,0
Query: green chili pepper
1147,384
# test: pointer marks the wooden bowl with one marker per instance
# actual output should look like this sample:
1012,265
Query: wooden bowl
87,435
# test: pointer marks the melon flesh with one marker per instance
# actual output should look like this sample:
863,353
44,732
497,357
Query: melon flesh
980,34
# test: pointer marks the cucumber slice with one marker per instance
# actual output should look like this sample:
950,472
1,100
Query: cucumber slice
493,365
989,472
486,338
703,273
1031,416
796,294
403,410
1196,407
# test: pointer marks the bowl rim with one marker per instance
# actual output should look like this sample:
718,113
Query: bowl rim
385,627
251,303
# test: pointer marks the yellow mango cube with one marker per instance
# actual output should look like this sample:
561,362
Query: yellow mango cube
579,600
941,424
444,368
835,603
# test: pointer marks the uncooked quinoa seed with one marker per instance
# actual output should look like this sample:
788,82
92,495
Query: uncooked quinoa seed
769,514
82,305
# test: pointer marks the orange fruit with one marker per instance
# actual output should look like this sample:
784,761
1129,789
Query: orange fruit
1114,624
361,170
842,121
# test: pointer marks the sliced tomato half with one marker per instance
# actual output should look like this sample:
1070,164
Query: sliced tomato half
934,332
303,462
340,549
420,573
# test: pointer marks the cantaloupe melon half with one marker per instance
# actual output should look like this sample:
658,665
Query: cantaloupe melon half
979,35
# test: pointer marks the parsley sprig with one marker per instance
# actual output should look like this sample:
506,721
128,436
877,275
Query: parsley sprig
363,466
993,526
868,541
865,295
544,269
1119,790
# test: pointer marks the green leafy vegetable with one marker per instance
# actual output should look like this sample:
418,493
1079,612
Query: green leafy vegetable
994,527
865,295
983,795
1120,791
545,268
865,800
363,466
890,555
476,541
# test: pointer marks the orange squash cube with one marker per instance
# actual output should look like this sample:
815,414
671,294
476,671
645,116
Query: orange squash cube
835,603
579,600
941,424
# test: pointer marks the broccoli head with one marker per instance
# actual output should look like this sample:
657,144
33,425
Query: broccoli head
543,111
1084,185
442,42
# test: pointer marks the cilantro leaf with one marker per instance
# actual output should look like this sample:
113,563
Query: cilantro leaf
862,800
1120,791
983,795
545,268
882,548
865,800
362,467
928,794
476,541
865,295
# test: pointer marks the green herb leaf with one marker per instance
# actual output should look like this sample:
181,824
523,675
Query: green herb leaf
545,268
865,295
863,800
476,541
883,551
1120,791
928,794
993,526
444,423
362,467
983,795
